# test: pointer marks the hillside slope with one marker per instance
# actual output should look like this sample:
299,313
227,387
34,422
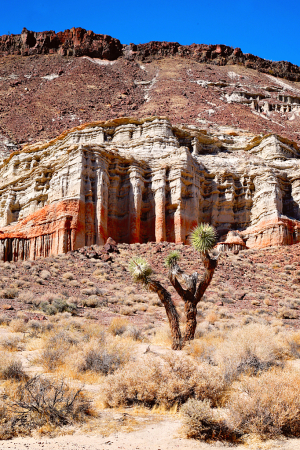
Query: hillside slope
45,89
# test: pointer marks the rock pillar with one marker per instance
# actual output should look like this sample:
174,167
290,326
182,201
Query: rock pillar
135,204
159,187
102,206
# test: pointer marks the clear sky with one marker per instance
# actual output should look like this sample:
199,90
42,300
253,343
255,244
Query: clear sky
269,29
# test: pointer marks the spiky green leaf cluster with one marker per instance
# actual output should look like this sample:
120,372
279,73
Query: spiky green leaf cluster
172,259
203,237
140,270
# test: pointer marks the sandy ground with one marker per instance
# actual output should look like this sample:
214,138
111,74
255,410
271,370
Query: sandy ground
157,434
160,436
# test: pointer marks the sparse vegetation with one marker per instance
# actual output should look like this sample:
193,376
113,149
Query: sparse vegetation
116,339
40,405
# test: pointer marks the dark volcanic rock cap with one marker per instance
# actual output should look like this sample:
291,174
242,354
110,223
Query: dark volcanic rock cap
80,42
74,42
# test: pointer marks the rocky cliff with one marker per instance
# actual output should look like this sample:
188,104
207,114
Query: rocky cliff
77,76
220,143
148,180
80,42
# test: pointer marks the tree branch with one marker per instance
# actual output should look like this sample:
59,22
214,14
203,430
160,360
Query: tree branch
176,272
210,263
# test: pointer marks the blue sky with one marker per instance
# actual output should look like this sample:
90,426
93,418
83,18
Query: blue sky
269,29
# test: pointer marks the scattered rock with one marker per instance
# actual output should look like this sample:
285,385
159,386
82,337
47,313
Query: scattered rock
7,307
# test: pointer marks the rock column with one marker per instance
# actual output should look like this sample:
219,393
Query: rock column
135,204
159,187
102,205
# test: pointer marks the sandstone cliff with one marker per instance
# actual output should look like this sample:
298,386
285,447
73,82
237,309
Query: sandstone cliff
147,180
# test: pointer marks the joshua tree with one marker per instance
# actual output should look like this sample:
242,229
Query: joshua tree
189,288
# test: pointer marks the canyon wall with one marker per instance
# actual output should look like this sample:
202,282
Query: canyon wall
146,180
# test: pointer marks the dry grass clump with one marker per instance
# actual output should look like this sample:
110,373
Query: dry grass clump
11,343
45,274
91,291
10,293
40,405
4,321
294,343
68,276
93,301
250,349
56,349
203,422
286,313
27,297
10,367
268,405
118,326
52,304
103,356
18,325
166,380
127,310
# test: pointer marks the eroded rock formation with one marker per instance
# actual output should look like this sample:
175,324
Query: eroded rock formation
74,42
80,42
146,180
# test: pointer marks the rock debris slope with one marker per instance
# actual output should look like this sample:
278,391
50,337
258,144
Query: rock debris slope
50,82
148,180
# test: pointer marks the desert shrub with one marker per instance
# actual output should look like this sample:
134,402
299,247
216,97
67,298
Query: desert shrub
68,276
36,326
58,305
118,326
98,273
42,405
103,356
10,367
203,422
127,311
294,344
91,291
268,405
9,293
133,333
49,297
142,307
56,349
4,320
154,301
92,302
286,313
45,274
11,343
27,297
18,325
250,349
164,381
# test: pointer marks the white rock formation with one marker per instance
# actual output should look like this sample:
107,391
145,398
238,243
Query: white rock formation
146,180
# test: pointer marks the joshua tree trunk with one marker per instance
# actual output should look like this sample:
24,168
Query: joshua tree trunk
171,312
193,294
190,309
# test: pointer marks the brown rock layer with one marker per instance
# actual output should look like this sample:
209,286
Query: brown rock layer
80,42
74,42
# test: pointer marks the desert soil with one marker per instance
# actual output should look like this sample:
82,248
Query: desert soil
164,435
